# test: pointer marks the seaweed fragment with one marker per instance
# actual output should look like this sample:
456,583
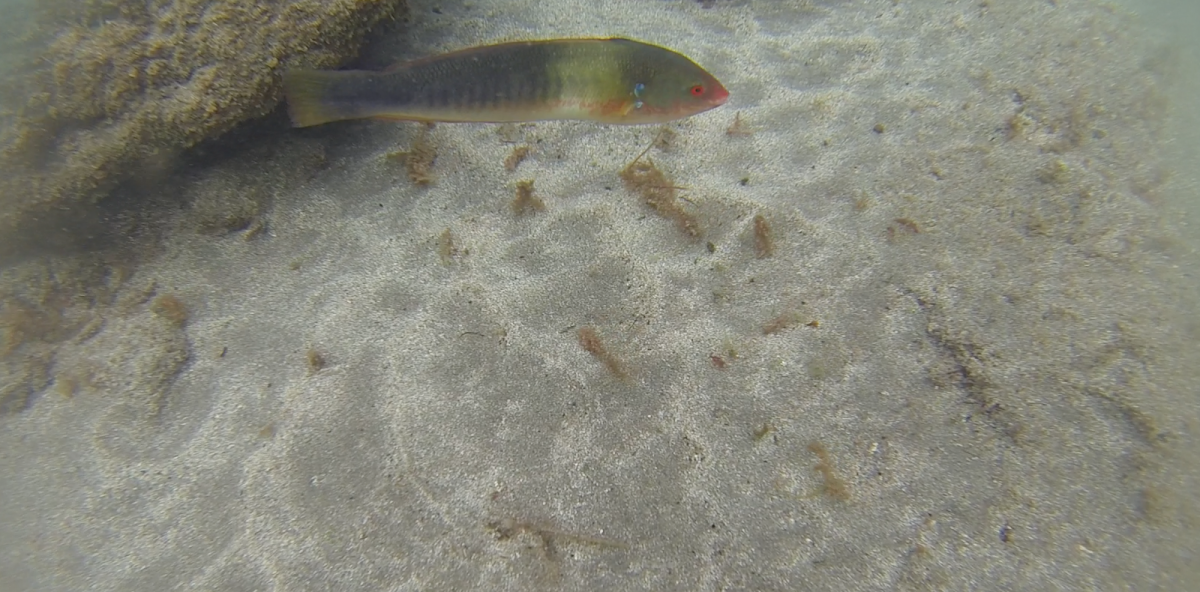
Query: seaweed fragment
739,127
905,224
833,486
781,322
516,157
315,360
658,191
1055,172
171,308
447,249
764,244
589,340
525,201
665,140
862,202
1017,125
761,432
256,228
550,538
419,158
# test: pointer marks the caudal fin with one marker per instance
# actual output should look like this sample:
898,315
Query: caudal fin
310,96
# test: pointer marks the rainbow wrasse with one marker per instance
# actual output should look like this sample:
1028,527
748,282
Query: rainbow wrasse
605,80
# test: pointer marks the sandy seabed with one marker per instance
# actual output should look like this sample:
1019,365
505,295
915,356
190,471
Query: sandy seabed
965,361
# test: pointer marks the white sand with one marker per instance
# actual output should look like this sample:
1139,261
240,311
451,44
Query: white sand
1003,382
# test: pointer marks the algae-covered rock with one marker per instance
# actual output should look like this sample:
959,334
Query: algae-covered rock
118,86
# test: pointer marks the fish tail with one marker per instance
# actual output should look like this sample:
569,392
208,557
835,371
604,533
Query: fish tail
311,97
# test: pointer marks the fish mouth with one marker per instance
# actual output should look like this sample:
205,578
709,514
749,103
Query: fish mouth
719,95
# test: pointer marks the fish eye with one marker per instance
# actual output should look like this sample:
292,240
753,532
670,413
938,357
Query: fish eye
697,90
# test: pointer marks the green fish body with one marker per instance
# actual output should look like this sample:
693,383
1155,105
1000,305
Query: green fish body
604,80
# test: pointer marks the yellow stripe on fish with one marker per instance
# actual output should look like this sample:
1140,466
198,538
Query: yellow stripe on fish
606,80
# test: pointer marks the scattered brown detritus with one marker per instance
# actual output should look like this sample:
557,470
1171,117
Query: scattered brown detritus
518,155
1017,124
717,361
766,429
507,132
171,308
902,223
256,228
730,351
764,245
785,320
267,431
665,140
66,386
526,202
834,486
315,360
862,203
509,528
590,342
45,305
657,190
738,127
908,224
1055,172
920,549
447,250
418,159
511,133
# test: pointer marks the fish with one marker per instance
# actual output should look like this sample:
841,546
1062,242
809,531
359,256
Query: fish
606,80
